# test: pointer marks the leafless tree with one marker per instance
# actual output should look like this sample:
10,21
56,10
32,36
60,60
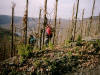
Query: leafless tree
91,18
12,27
76,20
55,22
45,19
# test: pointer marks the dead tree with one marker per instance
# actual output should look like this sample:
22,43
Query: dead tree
39,29
71,30
82,23
45,19
39,23
75,21
25,19
55,22
91,18
99,24
58,30
12,28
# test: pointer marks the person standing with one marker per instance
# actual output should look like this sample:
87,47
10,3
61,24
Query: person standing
48,34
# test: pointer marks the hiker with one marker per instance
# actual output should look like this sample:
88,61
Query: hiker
48,34
32,40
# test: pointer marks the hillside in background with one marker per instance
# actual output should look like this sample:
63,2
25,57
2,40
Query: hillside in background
5,21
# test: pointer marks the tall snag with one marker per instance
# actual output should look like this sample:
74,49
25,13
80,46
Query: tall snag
71,28
75,21
39,29
25,19
98,27
82,23
58,30
12,28
45,19
91,19
55,22
39,23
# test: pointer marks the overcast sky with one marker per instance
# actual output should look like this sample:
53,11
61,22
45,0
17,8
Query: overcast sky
65,7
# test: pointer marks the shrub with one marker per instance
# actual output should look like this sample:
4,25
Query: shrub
24,51
79,41
51,46
79,38
13,72
98,42
67,42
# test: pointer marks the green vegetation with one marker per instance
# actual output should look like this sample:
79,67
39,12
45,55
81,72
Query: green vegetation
24,51
68,43
79,41
51,46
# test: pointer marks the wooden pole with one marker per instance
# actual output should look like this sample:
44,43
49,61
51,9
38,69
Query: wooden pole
45,19
55,22
76,20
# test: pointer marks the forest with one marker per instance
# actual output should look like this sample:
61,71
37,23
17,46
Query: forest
50,46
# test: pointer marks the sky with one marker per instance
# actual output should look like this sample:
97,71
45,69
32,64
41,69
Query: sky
65,8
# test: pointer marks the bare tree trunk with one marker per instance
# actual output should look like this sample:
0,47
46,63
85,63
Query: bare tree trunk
39,23
76,20
86,27
40,39
91,18
45,20
99,24
26,23
25,19
82,23
54,41
72,26
12,27
39,30
58,30
15,40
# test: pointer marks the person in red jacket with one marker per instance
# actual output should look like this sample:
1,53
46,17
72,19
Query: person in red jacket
48,34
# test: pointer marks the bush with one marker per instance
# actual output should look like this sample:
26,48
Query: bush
79,38
51,46
24,51
13,73
98,42
67,42
79,41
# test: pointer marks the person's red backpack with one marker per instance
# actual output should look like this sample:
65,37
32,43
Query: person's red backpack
48,31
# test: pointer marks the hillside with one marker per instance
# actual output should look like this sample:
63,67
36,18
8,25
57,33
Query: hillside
5,35
5,21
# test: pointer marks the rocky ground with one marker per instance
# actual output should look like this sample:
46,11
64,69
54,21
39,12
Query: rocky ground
59,61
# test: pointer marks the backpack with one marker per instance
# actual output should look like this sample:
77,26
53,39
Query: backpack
48,31
32,40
